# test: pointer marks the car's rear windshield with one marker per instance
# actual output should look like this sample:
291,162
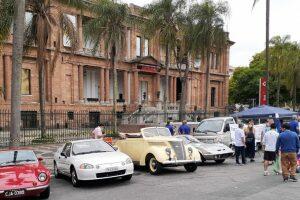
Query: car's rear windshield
93,146
210,126
156,131
16,156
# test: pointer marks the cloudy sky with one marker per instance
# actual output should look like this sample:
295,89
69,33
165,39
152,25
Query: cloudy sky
247,26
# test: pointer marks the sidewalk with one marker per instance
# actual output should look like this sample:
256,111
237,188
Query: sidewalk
46,151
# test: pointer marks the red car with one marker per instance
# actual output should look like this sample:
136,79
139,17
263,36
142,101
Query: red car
22,174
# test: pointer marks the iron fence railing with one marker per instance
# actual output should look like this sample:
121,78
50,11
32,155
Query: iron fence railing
62,126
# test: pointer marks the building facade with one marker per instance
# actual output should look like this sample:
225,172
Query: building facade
81,81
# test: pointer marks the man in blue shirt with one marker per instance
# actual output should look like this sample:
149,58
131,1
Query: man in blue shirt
184,129
294,125
288,144
170,127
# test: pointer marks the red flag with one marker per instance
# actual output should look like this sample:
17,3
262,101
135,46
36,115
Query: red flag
263,91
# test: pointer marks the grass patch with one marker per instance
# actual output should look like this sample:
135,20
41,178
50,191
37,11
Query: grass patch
43,140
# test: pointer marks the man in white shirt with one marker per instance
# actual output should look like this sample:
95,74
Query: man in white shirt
269,143
239,140
97,133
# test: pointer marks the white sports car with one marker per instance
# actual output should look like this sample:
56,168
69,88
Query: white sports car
91,160
215,151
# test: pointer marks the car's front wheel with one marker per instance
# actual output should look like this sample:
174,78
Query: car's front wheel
220,161
45,194
190,167
127,177
56,171
154,166
74,179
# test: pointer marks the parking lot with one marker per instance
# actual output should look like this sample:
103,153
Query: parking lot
210,181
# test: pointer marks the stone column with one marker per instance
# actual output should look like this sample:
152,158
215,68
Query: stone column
174,89
80,82
102,85
171,89
80,31
136,86
107,88
125,86
7,76
1,77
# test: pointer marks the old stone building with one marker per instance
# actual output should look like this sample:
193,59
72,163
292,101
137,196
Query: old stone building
81,81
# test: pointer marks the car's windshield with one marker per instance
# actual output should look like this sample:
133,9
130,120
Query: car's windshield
16,157
156,131
210,126
187,139
92,146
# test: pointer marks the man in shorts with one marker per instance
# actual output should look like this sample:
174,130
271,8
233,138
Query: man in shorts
269,143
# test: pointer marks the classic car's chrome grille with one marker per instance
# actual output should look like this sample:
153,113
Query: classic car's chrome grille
179,150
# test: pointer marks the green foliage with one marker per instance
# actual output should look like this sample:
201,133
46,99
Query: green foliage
244,85
6,18
284,70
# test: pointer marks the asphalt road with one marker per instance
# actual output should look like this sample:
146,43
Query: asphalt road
210,181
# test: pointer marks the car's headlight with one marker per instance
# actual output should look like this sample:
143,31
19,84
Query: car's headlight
86,166
128,161
42,177
168,151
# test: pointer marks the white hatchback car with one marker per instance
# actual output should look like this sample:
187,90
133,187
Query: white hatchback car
91,160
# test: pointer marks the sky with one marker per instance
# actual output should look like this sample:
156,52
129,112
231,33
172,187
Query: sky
247,26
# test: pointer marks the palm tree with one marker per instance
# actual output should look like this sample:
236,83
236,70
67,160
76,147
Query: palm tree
278,59
18,39
267,43
109,26
208,34
293,71
38,32
162,21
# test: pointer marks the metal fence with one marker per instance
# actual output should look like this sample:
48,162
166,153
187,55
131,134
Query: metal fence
62,126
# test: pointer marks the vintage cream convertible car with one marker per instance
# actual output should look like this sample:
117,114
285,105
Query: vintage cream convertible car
155,148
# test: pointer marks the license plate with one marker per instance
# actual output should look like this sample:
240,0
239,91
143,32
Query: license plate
111,169
12,193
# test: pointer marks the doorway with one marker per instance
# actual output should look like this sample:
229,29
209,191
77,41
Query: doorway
143,91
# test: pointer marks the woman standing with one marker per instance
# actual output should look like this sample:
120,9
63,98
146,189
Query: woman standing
250,141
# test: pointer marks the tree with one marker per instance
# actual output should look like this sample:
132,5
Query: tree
18,28
244,85
278,59
209,34
108,25
267,42
162,21
293,72
38,32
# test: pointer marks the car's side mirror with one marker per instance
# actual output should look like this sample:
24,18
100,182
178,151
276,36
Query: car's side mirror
40,159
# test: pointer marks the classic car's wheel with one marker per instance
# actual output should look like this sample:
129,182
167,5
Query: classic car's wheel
45,194
154,166
190,167
127,177
74,179
220,161
56,171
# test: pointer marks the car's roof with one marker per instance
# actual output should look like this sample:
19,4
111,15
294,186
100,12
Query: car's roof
218,118
85,140
17,149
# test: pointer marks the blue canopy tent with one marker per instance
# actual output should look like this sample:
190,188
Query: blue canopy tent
263,112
